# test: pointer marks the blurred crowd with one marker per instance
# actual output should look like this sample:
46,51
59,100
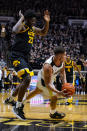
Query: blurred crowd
56,7
70,37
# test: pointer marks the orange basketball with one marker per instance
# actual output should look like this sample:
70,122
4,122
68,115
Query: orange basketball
69,88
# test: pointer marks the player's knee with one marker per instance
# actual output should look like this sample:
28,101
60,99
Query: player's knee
38,91
54,98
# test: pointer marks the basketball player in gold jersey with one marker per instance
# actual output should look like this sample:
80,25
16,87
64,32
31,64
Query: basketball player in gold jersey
24,31
69,68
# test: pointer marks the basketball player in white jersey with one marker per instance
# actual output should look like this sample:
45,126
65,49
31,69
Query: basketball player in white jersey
46,76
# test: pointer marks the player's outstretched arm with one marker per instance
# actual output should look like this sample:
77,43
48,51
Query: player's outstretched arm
47,78
19,25
74,64
45,29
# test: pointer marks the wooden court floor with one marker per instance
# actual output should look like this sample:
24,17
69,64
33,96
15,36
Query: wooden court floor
37,113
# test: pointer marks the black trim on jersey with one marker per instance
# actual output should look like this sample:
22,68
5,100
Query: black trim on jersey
43,83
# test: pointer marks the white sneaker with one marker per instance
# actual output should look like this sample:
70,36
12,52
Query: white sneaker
81,92
84,93
76,92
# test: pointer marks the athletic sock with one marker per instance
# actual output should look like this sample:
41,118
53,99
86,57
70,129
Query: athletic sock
24,101
12,92
18,104
52,111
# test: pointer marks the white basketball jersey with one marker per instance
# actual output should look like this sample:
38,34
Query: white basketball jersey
56,69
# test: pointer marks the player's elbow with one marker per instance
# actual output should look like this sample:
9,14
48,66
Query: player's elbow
43,33
14,30
47,85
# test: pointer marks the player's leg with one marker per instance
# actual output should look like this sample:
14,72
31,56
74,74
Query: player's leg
53,102
83,84
69,80
26,78
10,100
15,93
32,94
24,74
23,87
46,93
53,99
38,90
18,64
35,92
18,108
53,112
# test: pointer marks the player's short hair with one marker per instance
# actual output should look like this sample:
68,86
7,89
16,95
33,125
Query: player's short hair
59,50
29,14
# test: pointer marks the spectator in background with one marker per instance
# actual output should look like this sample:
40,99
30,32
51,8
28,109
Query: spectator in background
80,64
2,62
1,78
3,31
6,79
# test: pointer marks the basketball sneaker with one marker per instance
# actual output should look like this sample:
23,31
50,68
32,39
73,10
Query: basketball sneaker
57,115
19,112
69,101
10,101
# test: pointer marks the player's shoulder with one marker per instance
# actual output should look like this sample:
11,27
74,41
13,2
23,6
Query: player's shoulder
34,28
73,62
47,66
49,60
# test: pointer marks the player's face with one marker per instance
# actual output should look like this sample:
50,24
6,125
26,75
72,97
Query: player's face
32,21
61,57
68,58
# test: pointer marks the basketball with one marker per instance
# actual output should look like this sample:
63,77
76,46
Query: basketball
69,88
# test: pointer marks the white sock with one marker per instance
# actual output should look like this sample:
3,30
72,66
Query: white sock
18,104
12,92
52,111
24,101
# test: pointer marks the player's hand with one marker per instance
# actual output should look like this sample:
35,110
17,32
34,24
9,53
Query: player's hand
21,15
46,16
63,93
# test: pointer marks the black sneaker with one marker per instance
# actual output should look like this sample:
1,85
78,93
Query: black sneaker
19,112
57,115
67,103
9,101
